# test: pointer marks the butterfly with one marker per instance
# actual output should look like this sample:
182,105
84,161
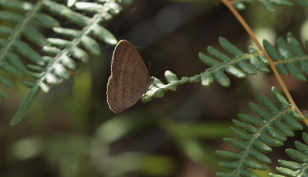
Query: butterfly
129,78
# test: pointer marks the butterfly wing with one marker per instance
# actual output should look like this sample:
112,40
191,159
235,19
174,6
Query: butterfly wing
129,78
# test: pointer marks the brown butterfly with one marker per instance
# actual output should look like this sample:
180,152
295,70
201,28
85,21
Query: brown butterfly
129,78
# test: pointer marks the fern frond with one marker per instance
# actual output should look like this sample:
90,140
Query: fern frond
12,48
255,135
64,54
239,64
158,88
270,5
289,57
298,168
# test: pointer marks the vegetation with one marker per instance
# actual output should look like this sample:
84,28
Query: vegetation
69,131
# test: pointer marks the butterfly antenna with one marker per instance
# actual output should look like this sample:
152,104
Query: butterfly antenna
164,68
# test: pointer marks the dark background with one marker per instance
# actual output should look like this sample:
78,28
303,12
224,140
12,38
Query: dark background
71,131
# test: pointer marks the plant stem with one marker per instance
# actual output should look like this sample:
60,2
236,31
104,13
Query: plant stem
229,4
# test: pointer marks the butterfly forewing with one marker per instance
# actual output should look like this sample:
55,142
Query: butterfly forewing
129,78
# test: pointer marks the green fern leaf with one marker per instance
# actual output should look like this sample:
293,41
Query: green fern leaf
302,2
34,36
271,5
298,168
32,13
5,81
19,5
46,20
64,55
256,136
9,68
159,88
10,59
3,94
92,24
239,65
290,57
25,106
26,51
93,8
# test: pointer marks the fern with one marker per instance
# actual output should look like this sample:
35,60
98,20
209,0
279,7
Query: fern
298,168
62,54
255,135
13,48
271,4
289,58
159,88
236,63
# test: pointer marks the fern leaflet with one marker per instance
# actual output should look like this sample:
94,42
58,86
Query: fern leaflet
270,5
289,58
159,88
